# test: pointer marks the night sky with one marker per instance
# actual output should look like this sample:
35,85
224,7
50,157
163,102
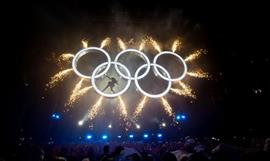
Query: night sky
234,102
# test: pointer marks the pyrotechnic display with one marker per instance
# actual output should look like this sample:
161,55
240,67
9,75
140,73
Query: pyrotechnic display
112,78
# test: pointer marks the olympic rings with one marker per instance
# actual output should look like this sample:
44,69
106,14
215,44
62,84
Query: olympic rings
84,52
97,71
153,95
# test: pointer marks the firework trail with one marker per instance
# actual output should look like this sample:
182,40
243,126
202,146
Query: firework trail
139,107
84,43
154,44
142,44
195,55
121,44
176,45
59,77
166,106
65,57
122,107
198,74
95,109
185,91
105,42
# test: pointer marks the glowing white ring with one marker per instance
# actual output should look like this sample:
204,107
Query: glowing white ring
97,69
85,51
179,57
152,95
141,54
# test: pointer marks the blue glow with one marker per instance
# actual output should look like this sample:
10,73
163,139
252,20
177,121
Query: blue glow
159,135
104,137
131,136
119,136
57,116
183,116
53,115
88,136
145,135
178,117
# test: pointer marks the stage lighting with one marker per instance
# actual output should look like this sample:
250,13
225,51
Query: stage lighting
80,123
138,126
159,135
163,124
119,136
145,136
53,115
110,126
178,117
57,116
88,136
104,137
131,136
183,117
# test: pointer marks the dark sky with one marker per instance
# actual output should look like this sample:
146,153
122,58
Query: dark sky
235,101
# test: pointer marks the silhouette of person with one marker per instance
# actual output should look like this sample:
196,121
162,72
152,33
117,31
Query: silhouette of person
111,83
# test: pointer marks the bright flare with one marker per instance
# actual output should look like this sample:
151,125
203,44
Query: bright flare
122,107
167,107
77,93
139,107
155,44
121,44
183,92
95,109
85,43
198,74
65,57
142,44
195,55
59,77
176,45
105,42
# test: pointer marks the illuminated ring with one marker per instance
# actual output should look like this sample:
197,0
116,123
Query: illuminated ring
179,57
85,51
94,76
141,54
152,95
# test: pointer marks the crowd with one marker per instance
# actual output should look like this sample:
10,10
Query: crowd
185,149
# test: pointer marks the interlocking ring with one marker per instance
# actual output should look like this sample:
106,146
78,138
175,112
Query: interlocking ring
181,60
153,95
99,73
141,54
99,68
84,52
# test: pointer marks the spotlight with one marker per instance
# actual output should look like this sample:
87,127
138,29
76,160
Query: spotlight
88,136
159,135
53,115
104,137
183,117
131,136
110,126
178,117
145,136
57,116
163,124
138,126
119,136
80,123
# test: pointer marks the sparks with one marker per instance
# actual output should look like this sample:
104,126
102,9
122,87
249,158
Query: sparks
198,74
59,77
77,92
95,109
140,106
65,57
84,43
142,44
155,44
195,55
176,45
122,107
105,42
167,107
121,43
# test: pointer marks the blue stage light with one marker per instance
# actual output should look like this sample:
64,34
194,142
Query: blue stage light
183,117
145,136
104,137
119,136
159,135
178,117
131,136
88,136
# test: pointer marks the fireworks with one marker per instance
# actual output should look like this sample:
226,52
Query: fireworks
185,91
198,74
95,109
105,42
140,106
77,93
167,107
155,44
122,107
65,57
142,44
84,43
176,45
195,55
58,77
121,44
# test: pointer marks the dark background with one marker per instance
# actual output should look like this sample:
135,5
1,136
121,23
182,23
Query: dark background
235,36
